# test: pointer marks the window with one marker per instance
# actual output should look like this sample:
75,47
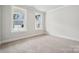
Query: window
38,21
18,19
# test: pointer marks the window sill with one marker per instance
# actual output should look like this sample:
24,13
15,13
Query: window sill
18,30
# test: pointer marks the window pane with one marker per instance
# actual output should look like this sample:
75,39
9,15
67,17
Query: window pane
19,19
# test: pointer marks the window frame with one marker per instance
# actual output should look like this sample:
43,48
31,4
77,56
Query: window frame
41,21
13,8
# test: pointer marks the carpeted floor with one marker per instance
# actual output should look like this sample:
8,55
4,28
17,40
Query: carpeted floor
41,44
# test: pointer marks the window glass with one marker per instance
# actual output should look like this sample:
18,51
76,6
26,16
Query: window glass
18,19
38,21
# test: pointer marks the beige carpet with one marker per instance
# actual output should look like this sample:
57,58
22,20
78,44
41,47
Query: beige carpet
41,44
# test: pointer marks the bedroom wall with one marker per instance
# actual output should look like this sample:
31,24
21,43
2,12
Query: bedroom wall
8,35
63,22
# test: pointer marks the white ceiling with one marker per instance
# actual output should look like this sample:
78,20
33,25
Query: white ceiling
46,8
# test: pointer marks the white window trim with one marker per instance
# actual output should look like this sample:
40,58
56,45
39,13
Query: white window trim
25,20
41,22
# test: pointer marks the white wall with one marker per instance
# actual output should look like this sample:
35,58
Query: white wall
8,35
64,22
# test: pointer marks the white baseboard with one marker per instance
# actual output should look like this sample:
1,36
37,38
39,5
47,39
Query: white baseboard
65,37
23,37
